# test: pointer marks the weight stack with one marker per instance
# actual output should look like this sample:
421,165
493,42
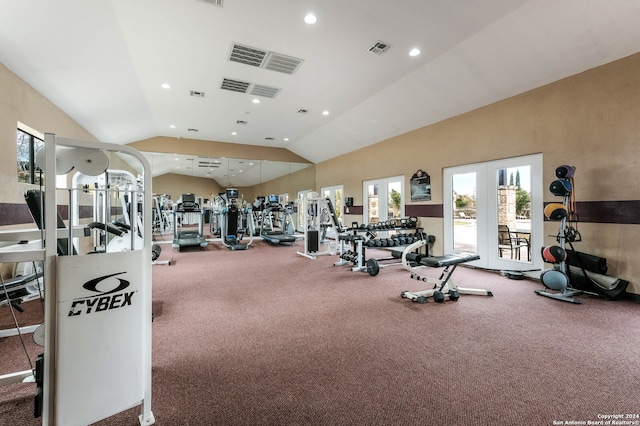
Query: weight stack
312,241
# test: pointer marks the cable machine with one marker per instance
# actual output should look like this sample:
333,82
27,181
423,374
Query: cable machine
97,310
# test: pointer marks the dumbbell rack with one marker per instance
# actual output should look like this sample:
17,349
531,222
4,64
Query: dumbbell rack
358,236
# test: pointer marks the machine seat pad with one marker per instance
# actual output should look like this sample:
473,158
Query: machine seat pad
448,259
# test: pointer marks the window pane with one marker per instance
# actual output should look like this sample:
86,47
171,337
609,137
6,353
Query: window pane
26,148
465,232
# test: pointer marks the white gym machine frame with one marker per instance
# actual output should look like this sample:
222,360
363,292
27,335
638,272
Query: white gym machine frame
96,365
443,286
312,224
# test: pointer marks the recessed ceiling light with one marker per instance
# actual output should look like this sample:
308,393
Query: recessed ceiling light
234,133
165,86
414,52
286,139
310,18
325,112
256,101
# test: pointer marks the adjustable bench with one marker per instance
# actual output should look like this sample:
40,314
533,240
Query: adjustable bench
444,285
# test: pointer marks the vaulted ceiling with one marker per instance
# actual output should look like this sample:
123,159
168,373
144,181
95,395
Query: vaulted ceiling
324,89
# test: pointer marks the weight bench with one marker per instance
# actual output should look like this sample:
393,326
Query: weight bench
444,285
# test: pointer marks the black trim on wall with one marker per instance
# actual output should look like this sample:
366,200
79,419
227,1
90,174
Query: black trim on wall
418,210
424,210
616,212
353,210
620,212
14,214
18,214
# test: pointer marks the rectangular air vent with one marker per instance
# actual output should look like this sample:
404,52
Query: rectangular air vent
247,55
282,63
235,85
214,2
208,164
262,58
380,47
265,91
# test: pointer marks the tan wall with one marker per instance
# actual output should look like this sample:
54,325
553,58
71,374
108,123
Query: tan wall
175,185
589,121
19,102
216,149
289,184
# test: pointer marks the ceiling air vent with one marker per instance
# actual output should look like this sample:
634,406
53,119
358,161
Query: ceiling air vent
282,63
265,91
214,2
268,138
241,122
235,85
192,130
209,164
303,111
197,94
380,47
247,55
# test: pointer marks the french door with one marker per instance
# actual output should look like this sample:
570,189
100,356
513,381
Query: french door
483,200
383,199
334,193
298,216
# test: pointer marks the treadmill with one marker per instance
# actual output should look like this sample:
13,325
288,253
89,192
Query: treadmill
274,237
188,237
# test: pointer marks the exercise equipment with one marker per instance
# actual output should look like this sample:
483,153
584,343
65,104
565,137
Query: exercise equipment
231,216
319,215
111,192
562,278
589,272
24,285
442,287
375,265
413,258
277,235
556,211
162,215
97,320
189,237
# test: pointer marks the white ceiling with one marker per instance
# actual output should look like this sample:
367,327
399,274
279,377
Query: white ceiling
103,61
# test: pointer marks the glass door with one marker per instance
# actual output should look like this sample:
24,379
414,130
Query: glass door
298,215
465,223
384,199
333,193
494,209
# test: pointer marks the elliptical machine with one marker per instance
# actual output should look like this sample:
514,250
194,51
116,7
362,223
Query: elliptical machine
231,220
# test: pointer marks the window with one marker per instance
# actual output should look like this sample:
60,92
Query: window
384,199
27,145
